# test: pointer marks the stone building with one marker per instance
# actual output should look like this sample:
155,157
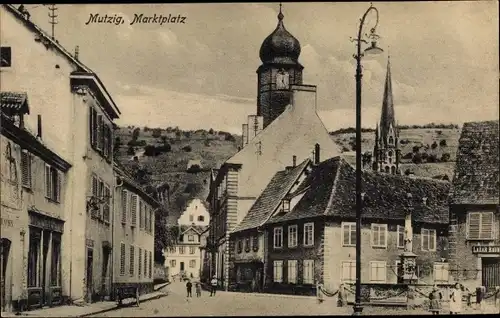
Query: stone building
475,207
34,209
290,127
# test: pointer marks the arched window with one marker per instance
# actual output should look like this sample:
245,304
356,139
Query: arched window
390,153
393,170
391,140
390,160
386,169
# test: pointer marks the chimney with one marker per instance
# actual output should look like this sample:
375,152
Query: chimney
77,51
303,99
244,134
316,154
294,161
39,127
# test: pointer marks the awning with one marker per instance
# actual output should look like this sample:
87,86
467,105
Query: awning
14,103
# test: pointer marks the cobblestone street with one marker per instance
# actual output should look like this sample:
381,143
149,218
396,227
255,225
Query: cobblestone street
242,304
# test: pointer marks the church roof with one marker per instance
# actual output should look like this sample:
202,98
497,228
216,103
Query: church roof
332,187
476,179
280,46
387,118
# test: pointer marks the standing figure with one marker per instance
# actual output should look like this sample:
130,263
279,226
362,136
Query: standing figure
469,297
213,286
456,300
189,286
497,298
435,298
198,289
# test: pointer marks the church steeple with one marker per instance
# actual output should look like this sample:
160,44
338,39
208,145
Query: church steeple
386,149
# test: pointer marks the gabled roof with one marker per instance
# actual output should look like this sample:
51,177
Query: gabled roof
271,197
14,102
197,228
332,193
476,179
125,176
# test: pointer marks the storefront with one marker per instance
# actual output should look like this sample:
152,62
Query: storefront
488,258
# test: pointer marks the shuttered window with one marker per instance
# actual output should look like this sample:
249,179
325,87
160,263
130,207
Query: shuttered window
348,271
150,264
278,271
53,180
308,271
292,271
26,168
480,226
100,197
145,263
92,126
133,209
99,132
122,259
141,214
124,206
140,263
379,235
132,259
107,205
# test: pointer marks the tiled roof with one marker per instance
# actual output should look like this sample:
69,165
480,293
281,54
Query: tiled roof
476,179
271,197
14,102
332,192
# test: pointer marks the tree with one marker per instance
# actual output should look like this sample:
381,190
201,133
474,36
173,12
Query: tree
116,146
417,158
156,133
187,148
211,131
442,143
164,139
432,158
434,145
416,149
229,137
408,156
194,169
445,157
135,133
150,151
424,155
131,150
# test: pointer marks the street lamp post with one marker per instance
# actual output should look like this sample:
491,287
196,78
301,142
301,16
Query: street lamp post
373,49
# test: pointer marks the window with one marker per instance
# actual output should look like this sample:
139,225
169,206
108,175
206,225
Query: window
191,218
292,236
192,250
35,237
292,271
428,240
480,226
278,237
124,206
141,214
201,218
192,263
309,234
5,56
52,183
26,169
397,272
150,264
182,250
378,272
140,263
401,236
12,163
247,245
441,271
107,204
133,209
172,250
147,212
286,206
55,267
348,234
122,259
278,271
255,243
190,238
239,246
132,256
172,263
349,271
93,126
99,134
145,263
308,271
379,235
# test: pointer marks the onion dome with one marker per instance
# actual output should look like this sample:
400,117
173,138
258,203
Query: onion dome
280,46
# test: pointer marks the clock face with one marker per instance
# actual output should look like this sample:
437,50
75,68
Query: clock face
282,80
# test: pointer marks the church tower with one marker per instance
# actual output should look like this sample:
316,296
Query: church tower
386,151
280,68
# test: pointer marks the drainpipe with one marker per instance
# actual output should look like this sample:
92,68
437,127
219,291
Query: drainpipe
115,189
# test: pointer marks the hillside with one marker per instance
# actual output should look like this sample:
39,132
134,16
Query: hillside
164,155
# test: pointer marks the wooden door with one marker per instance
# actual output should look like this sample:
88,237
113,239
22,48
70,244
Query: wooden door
90,264
4,256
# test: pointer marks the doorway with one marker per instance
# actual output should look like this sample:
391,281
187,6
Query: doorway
182,267
105,260
45,253
490,272
4,256
90,264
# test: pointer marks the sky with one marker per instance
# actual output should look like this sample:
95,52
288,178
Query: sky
202,74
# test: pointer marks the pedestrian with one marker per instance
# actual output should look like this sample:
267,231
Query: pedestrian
213,286
198,288
469,297
435,298
341,297
456,300
189,286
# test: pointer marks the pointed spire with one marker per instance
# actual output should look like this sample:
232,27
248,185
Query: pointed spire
387,117
280,15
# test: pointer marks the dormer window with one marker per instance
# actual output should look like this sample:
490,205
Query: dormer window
286,206
5,56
